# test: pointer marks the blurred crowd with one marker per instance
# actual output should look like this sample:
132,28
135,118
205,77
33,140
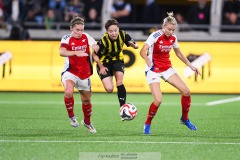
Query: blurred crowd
46,13
231,14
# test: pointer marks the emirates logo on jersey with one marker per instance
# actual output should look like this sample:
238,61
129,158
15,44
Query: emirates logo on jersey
79,48
165,48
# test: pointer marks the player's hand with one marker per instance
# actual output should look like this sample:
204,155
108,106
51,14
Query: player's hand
81,54
133,45
103,70
196,70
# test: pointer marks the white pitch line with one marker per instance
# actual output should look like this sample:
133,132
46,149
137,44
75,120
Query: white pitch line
223,101
126,142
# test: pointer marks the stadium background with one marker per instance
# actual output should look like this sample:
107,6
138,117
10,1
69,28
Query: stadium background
36,64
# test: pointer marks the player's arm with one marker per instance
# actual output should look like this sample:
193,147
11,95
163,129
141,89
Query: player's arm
184,59
97,60
66,53
95,48
143,53
93,44
129,41
133,44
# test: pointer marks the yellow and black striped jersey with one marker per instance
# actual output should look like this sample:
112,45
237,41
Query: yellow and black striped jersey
111,50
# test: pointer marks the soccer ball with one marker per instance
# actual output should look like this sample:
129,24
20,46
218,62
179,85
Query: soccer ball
128,111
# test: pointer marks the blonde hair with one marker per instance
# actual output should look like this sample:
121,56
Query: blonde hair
76,20
169,19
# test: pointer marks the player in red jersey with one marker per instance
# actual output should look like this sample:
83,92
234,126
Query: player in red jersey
77,70
155,52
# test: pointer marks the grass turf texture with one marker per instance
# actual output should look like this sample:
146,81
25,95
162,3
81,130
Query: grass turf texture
36,126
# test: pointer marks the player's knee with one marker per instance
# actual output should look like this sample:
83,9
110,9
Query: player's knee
86,101
68,93
119,82
157,101
186,92
109,89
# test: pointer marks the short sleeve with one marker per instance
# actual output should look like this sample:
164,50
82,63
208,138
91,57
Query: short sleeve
64,41
175,44
151,39
91,40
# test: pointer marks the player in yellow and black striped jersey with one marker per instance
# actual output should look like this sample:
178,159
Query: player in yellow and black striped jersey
109,58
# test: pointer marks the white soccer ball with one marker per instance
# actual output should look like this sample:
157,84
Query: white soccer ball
128,111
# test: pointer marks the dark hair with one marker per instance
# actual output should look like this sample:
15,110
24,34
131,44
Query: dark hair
76,20
111,22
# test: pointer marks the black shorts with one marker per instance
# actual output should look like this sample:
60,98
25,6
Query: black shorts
112,67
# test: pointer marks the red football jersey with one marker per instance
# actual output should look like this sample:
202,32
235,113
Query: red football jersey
158,53
79,66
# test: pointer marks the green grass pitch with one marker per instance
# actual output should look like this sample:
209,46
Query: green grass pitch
36,126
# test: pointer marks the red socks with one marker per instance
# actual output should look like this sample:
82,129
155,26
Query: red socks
87,109
151,113
186,102
87,112
69,103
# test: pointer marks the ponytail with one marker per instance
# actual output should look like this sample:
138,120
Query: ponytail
169,19
76,20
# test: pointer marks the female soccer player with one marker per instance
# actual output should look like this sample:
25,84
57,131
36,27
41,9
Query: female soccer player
155,52
77,70
109,58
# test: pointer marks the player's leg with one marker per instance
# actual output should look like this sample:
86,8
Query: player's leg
118,68
108,84
176,81
86,105
153,108
68,97
84,88
87,110
154,85
121,90
107,79
68,83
